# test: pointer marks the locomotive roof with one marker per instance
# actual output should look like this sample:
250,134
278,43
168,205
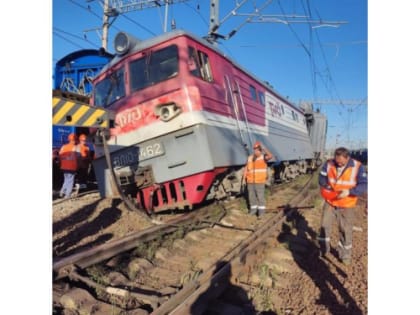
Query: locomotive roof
144,44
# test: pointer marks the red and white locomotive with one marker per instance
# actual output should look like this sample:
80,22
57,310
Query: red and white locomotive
185,118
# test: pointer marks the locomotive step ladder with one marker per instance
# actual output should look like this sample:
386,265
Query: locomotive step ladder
234,95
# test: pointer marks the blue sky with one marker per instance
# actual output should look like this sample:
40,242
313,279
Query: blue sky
300,61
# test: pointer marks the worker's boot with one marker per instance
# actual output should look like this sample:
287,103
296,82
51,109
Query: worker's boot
344,253
324,246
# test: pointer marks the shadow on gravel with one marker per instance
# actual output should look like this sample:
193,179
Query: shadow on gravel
79,216
61,247
317,269
211,302
100,240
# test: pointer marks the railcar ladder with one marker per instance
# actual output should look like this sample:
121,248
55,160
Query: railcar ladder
244,111
236,110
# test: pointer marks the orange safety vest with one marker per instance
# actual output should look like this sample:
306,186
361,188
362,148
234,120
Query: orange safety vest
256,171
69,154
347,180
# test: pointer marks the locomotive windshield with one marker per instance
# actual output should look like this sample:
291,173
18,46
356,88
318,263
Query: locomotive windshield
153,68
110,89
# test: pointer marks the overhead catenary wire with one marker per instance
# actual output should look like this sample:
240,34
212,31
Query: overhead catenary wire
306,49
75,36
276,45
66,39
206,23
139,25
331,80
86,9
327,78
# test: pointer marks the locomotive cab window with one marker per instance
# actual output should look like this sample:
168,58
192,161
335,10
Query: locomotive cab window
110,89
261,98
154,67
253,92
199,64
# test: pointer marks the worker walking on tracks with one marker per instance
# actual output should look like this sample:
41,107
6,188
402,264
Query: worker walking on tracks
69,155
255,175
341,180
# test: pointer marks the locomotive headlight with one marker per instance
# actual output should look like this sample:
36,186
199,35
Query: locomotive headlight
167,112
121,43
124,42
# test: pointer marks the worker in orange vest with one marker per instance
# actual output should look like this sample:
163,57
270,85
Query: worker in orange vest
341,181
255,175
69,156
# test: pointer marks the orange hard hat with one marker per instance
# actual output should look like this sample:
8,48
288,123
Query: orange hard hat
257,145
71,137
328,194
82,137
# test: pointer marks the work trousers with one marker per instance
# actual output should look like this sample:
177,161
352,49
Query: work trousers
82,175
344,216
256,198
68,183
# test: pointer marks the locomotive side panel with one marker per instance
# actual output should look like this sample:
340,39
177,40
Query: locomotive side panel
318,133
179,136
283,129
287,129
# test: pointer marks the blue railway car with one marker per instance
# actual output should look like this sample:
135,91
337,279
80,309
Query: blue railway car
74,73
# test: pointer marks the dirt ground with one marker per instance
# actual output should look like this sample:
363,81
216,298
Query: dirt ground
323,285
312,285
88,221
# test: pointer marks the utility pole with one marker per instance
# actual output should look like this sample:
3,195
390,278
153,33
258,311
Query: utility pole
256,17
105,25
214,17
113,8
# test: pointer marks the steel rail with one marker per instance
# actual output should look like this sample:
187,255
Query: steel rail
208,285
212,282
62,267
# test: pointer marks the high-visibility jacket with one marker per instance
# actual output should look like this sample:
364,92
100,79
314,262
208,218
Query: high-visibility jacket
256,170
69,156
347,180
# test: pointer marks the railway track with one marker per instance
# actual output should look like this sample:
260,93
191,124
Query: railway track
176,267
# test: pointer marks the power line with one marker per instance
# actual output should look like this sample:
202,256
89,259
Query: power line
75,36
67,40
198,12
308,52
114,8
139,25
87,9
331,101
335,44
